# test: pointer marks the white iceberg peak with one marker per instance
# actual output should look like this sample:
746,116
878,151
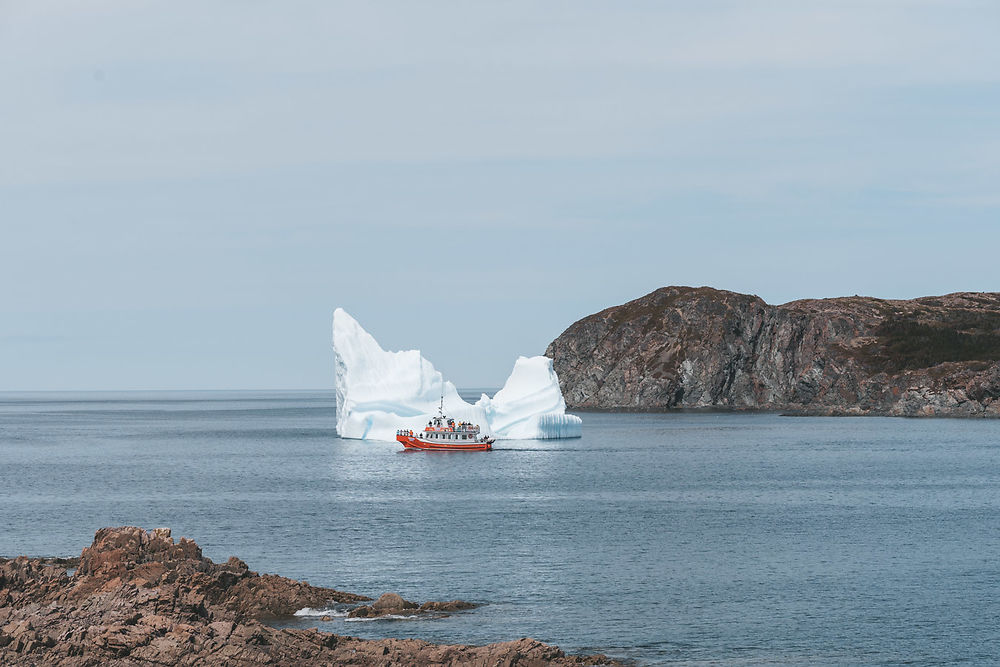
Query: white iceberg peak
379,392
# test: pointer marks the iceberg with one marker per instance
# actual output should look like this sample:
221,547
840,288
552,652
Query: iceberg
379,392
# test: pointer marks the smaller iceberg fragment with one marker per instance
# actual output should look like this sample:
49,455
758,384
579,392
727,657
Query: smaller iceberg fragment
379,392
530,405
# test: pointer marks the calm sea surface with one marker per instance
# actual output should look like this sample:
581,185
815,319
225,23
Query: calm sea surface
690,539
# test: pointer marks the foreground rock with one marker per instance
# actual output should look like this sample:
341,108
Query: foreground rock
138,597
684,347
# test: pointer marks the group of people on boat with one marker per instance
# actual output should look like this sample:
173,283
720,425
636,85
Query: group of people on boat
460,426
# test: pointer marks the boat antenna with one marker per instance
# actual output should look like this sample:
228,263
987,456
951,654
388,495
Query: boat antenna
441,406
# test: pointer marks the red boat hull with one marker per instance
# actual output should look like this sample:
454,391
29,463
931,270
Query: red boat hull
412,442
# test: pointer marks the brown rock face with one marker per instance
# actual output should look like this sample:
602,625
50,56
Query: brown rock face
684,347
138,598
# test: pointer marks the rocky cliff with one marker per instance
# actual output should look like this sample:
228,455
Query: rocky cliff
139,598
685,347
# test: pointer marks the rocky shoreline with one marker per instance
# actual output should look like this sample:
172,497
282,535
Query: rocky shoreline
136,597
702,348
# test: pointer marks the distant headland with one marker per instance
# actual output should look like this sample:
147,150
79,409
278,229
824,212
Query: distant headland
704,348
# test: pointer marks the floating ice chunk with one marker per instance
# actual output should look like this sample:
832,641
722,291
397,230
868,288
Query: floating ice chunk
379,392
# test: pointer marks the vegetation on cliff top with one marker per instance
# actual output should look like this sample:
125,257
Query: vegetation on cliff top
921,339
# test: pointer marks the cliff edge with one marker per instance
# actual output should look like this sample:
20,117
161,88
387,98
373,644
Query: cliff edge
698,347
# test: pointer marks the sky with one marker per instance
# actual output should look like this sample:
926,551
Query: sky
188,190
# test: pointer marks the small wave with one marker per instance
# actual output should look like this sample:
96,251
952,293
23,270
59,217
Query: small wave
309,611
387,617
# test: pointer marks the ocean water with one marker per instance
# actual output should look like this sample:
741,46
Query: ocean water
667,539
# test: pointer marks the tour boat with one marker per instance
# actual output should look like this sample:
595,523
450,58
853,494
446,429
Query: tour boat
446,435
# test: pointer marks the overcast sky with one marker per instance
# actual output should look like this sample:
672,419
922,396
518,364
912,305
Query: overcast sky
188,190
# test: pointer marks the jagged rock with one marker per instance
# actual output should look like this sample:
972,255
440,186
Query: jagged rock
139,598
684,347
